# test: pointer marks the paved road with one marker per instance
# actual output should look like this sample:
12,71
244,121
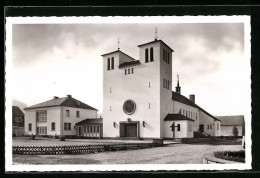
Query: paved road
170,154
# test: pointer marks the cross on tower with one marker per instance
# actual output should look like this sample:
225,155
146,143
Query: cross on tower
155,34
118,44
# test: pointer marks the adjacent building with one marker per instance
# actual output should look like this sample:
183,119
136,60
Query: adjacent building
139,102
57,116
229,122
17,121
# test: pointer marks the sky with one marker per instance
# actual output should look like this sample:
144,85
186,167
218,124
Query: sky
59,59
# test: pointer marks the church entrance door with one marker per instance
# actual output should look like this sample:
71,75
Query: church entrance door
131,130
128,129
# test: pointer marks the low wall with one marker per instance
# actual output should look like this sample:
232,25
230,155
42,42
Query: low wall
195,140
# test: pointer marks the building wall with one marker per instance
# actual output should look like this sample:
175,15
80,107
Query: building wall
184,129
207,120
227,130
166,103
84,114
188,111
135,87
53,115
18,131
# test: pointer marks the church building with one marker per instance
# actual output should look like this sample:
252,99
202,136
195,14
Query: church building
139,101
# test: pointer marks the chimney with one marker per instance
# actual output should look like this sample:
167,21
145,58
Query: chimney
192,98
55,97
69,96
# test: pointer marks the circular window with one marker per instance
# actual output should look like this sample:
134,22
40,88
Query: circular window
129,107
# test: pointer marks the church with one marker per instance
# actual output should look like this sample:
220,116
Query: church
139,101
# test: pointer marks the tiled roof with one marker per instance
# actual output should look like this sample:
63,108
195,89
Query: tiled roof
66,101
116,52
90,121
17,111
232,120
125,64
155,41
176,117
182,99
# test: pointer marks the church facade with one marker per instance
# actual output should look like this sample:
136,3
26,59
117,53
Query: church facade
139,102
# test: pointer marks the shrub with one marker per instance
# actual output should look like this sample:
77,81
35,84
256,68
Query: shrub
238,156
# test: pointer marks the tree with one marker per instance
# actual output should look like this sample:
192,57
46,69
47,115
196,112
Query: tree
235,131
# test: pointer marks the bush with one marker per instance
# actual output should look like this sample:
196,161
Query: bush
238,156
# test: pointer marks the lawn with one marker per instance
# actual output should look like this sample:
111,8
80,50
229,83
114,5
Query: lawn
170,154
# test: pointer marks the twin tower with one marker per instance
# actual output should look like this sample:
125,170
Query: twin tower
137,94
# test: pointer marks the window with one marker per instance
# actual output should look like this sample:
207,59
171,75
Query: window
30,127
110,108
146,55
128,71
94,128
186,113
183,112
149,105
178,127
112,63
90,129
67,113
108,64
67,126
77,113
149,85
180,111
125,71
53,126
163,55
41,130
168,56
217,126
41,116
151,54
97,128
132,70
210,126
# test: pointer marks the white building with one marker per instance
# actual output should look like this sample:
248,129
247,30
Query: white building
138,101
57,117
229,122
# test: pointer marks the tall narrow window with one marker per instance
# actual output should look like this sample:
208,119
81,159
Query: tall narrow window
146,55
77,114
112,63
178,127
180,111
108,64
110,108
151,54
125,71
168,56
53,126
30,127
149,106
132,70
163,55
67,113
128,71
149,85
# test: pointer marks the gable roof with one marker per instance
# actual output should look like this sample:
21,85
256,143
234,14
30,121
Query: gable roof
17,111
155,41
176,117
132,63
66,101
118,52
232,120
182,99
90,121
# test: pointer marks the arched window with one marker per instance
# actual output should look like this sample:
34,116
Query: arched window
146,55
151,54
108,64
112,63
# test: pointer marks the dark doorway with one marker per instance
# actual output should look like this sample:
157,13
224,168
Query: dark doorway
201,128
128,130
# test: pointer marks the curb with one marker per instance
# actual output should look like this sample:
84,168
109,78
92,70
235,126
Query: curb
211,159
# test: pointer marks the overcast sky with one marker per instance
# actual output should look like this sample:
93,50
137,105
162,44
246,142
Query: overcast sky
55,60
